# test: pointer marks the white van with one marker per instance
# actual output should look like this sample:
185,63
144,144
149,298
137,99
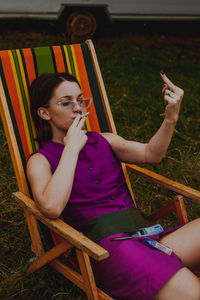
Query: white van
81,16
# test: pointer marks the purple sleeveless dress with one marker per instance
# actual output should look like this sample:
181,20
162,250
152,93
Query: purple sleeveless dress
133,270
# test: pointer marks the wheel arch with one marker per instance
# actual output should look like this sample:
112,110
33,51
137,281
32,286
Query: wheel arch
99,11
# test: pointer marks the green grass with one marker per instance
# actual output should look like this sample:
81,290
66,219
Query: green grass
130,66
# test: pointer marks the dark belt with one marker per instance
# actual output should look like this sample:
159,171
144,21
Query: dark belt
127,220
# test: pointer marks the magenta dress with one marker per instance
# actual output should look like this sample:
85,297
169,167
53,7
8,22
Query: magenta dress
133,270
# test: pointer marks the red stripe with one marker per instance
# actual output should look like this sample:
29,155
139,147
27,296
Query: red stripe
94,123
28,57
7,67
59,59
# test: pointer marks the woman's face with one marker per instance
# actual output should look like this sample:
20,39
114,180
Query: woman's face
61,117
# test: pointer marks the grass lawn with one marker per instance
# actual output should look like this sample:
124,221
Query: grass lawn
130,64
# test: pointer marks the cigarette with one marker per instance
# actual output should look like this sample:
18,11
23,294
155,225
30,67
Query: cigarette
85,115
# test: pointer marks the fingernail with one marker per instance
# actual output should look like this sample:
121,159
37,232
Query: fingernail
162,72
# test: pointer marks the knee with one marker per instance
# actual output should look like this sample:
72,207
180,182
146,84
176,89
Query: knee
183,285
193,293
177,293
197,291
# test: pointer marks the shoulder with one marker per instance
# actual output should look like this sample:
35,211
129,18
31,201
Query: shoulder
38,174
116,142
113,139
94,136
36,162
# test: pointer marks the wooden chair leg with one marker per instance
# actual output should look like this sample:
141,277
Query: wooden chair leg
37,246
181,210
87,274
76,278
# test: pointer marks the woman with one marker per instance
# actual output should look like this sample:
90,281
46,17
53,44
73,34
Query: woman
77,174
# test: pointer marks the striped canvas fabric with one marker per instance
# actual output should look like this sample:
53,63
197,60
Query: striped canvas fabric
19,67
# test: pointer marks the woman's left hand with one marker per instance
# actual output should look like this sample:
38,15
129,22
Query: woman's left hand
173,96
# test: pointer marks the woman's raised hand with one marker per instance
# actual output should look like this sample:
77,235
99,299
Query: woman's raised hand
76,137
173,96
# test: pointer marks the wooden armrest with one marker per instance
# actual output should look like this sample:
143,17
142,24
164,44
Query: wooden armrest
67,232
166,182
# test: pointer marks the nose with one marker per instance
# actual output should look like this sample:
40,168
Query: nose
77,107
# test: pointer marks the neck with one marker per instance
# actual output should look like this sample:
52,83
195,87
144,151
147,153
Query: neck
58,137
60,141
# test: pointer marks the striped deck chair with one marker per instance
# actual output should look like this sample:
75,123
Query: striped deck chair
18,68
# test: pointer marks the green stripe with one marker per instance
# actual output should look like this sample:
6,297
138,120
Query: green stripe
24,66
44,60
12,115
95,89
69,51
53,59
21,85
34,61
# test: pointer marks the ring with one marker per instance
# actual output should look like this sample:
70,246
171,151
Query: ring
169,93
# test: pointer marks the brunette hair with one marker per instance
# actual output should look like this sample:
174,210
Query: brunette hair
41,91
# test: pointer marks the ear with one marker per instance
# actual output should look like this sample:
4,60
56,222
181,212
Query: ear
43,113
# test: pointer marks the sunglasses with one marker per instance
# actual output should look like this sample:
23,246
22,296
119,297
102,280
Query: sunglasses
70,105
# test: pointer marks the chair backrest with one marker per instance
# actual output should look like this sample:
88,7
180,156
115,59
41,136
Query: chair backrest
19,67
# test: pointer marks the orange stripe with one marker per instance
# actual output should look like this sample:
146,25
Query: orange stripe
30,68
74,62
86,87
28,57
7,66
59,59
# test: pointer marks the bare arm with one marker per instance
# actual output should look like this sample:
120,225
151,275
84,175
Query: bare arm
155,149
51,191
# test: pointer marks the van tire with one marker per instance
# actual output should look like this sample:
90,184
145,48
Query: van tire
81,24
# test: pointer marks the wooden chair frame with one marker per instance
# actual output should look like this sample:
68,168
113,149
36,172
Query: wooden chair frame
71,238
